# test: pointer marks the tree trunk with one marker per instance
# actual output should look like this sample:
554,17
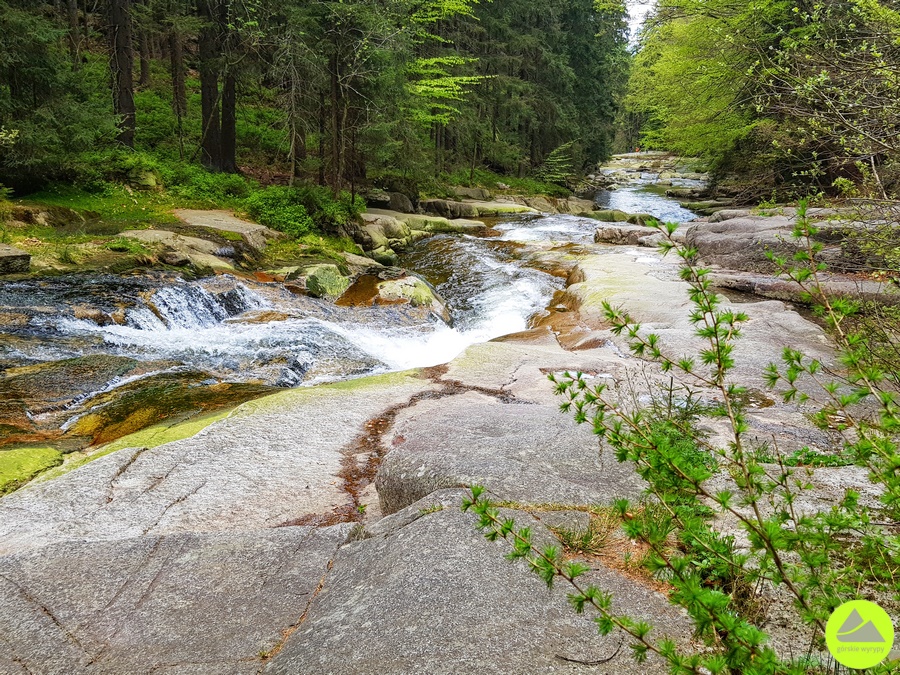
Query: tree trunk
209,56
179,91
74,33
229,125
122,65
322,138
145,59
335,129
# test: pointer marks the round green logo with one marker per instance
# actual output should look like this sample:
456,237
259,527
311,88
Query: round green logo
859,634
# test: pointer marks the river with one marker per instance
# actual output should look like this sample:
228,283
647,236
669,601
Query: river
224,339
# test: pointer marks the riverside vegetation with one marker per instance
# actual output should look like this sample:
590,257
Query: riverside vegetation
725,546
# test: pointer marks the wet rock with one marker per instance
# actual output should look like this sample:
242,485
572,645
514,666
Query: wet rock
326,281
13,260
92,314
392,285
428,593
159,604
415,291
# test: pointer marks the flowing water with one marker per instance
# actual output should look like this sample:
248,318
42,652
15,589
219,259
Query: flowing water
643,196
86,351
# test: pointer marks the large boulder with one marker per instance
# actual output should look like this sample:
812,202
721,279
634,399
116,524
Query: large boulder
13,260
449,209
575,205
201,253
424,592
745,243
608,216
541,204
254,235
630,235
391,286
471,193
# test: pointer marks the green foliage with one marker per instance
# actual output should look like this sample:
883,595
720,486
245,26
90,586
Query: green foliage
280,208
559,167
196,184
797,95
817,559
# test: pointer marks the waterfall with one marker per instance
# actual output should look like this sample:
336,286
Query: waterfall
190,306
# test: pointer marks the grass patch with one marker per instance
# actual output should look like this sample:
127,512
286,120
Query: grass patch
594,539
111,203
20,465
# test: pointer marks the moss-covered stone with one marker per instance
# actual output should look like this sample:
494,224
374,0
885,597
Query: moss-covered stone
608,216
326,281
19,465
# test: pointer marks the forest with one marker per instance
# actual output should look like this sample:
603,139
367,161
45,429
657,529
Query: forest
343,94
790,96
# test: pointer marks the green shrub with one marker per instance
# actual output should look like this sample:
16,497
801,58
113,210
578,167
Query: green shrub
816,560
280,208
329,214
192,182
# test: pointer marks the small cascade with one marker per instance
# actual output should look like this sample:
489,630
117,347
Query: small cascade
190,306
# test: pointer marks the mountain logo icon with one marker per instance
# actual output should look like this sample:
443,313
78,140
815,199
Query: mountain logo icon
859,634
857,629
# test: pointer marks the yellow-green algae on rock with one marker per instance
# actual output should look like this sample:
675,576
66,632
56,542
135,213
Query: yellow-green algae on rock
150,437
20,465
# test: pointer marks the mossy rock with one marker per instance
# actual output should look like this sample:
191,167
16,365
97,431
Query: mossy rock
19,465
640,218
608,216
326,281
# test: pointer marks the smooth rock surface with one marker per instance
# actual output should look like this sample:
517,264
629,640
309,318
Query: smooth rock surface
426,593
254,235
184,604
271,461
521,452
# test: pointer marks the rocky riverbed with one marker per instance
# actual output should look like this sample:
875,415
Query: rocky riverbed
318,529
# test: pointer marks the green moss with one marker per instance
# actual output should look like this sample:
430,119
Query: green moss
151,437
20,465
326,281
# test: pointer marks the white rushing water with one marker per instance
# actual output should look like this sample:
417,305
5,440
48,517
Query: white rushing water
253,332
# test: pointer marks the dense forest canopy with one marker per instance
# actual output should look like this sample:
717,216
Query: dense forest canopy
788,92
340,93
